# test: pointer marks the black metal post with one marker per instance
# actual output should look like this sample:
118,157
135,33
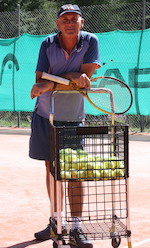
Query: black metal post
143,27
18,14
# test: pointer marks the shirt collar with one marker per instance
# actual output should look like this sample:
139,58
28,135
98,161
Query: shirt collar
80,41
79,44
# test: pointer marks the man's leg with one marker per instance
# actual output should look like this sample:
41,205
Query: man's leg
45,234
76,195
47,178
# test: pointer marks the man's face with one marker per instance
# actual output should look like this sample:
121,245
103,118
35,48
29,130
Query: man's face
70,24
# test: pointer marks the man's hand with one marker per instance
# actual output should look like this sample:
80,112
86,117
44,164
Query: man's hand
40,88
83,81
80,80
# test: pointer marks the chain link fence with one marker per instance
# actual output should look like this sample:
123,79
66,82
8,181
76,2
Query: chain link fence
99,18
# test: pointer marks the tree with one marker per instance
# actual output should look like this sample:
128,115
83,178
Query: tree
29,5
8,5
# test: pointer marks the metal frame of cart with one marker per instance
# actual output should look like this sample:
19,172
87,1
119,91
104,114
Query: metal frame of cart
106,212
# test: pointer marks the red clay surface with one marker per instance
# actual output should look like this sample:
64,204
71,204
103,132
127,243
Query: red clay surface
24,205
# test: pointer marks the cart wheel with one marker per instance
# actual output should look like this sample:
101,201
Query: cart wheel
55,245
116,242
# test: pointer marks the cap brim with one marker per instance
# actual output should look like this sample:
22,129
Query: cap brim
70,11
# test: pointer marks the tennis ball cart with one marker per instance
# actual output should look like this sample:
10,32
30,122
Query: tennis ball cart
91,164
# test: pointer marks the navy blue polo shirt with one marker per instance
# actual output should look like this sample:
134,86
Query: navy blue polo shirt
53,59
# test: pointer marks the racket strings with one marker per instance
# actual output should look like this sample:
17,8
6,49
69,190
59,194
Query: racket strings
101,101
122,97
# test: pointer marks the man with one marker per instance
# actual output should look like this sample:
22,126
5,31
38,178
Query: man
72,54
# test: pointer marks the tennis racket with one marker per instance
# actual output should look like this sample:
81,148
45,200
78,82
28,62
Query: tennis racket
115,90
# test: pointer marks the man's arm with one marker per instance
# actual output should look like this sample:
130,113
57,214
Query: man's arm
43,86
81,79
89,69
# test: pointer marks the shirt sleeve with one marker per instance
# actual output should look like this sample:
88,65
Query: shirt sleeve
92,54
43,63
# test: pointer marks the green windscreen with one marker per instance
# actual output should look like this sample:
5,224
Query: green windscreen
124,55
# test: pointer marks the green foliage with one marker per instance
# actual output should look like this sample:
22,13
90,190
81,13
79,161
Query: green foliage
41,22
30,5
87,3
8,5
97,2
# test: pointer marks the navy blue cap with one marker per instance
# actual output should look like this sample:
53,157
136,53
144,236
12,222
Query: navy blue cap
69,8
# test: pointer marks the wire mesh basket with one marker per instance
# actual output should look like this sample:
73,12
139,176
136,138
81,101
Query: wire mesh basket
89,152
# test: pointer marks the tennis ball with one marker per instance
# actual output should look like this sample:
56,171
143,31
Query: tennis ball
82,162
97,158
70,158
108,164
106,174
67,166
90,174
109,173
82,174
70,151
89,166
75,165
116,163
68,154
120,165
96,174
74,173
118,173
99,165
81,153
90,158
62,165
65,175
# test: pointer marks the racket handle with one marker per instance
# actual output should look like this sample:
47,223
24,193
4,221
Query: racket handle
56,79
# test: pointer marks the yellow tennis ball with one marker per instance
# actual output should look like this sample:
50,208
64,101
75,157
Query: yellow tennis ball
65,175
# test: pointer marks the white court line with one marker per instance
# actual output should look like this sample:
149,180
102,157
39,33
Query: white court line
139,243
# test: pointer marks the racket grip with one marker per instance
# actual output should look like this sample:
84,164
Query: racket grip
59,80
56,79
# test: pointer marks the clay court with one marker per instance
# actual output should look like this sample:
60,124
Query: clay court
24,205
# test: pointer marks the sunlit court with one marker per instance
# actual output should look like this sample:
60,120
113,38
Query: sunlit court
24,204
